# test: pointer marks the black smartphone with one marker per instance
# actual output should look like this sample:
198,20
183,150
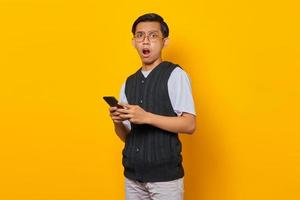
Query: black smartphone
112,101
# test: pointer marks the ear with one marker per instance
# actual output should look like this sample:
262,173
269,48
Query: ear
133,43
166,42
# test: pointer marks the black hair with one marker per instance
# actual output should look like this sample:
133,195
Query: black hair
152,17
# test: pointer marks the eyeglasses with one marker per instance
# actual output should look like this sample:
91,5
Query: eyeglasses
152,36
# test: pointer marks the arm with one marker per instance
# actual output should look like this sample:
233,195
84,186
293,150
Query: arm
181,124
135,114
120,129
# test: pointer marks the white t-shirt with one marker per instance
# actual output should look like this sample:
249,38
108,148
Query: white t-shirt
180,93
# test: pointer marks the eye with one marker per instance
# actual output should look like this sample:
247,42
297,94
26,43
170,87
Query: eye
154,35
139,35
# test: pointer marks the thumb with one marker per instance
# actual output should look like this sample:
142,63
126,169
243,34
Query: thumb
125,105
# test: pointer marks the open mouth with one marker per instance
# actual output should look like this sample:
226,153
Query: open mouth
146,52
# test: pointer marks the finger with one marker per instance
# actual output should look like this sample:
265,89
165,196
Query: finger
112,109
116,118
125,111
125,116
116,113
126,105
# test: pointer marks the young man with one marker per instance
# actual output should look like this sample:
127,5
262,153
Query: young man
158,104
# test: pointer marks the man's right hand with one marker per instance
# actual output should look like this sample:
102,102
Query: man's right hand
114,114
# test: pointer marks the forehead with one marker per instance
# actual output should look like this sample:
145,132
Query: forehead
148,26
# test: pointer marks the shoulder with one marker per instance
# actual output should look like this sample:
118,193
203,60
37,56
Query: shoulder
133,75
132,78
179,73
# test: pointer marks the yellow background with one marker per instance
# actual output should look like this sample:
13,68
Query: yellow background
59,57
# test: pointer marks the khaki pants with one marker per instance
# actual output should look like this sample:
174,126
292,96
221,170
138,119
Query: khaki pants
170,190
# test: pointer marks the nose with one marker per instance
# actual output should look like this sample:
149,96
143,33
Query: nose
146,40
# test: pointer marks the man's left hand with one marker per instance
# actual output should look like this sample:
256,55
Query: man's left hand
134,114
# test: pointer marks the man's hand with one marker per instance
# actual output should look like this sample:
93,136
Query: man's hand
134,114
115,115
186,123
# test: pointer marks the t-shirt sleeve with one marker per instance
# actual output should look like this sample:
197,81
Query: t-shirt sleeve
122,96
180,92
123,99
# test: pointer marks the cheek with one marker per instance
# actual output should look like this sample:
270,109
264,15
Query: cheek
158,47
161,45
136,45
139,51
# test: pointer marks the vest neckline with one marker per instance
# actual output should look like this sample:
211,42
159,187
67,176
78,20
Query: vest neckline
154,69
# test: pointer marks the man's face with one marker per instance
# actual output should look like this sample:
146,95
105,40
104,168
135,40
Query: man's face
149,41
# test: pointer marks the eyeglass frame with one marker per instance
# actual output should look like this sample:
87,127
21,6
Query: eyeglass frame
147,36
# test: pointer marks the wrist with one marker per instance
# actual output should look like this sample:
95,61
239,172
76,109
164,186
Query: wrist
149,118
119,123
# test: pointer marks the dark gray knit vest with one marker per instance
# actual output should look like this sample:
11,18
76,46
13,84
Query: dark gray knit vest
150,153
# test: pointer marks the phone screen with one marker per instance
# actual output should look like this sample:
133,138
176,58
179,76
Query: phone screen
112,101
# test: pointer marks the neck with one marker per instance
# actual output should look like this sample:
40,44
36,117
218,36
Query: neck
147,67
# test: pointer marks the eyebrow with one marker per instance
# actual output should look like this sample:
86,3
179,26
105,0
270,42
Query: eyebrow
153,31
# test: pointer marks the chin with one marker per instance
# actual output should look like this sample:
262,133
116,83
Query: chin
148,61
